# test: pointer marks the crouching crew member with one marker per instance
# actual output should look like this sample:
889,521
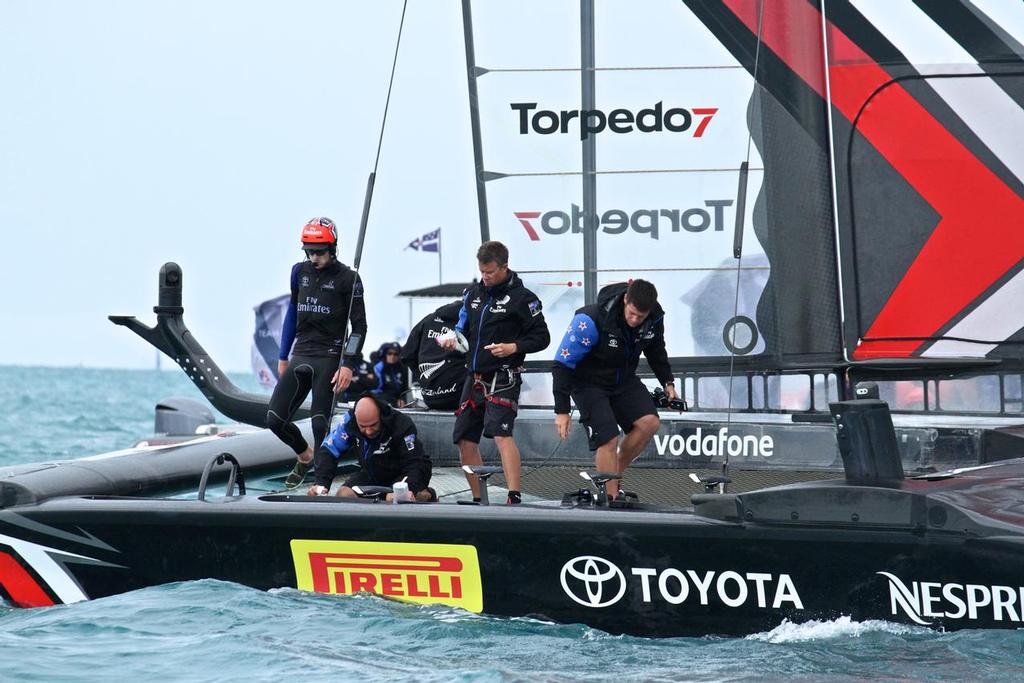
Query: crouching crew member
392,375
440,372
596,365
385,442
502,323
318,313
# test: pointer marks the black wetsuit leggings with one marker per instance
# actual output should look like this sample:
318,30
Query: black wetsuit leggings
303,373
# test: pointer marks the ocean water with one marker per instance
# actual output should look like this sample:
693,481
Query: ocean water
217,631
60,413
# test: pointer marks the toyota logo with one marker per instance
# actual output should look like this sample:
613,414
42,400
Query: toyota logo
590,577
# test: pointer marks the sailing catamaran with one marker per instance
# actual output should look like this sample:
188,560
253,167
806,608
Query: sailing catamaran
883,244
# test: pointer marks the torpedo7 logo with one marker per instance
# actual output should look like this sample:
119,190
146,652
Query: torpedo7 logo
616,221
593,121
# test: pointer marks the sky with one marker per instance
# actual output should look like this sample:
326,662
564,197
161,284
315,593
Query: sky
207,133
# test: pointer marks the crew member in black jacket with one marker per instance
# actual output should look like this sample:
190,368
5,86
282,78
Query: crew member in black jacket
318,314
385,442
440,372
596,365
502,322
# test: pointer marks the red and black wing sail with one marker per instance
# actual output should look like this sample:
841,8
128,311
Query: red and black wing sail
929,215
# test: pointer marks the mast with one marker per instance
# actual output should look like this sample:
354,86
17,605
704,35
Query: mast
845,389
589,177
472,71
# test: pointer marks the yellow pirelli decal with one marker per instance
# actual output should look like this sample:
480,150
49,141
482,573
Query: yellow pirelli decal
422,573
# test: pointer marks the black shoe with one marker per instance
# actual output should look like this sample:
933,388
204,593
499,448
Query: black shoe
433,495
514,498
297,475
623,496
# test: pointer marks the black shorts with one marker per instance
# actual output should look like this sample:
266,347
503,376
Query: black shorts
488,407
603,410
417,482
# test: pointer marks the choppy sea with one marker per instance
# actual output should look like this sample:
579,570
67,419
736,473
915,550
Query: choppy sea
216,631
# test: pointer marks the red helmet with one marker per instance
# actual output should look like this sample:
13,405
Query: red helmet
320,232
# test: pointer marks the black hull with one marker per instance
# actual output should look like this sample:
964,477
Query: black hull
947,554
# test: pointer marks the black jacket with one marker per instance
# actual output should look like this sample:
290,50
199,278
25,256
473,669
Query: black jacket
422,354
395,451
502,314
321,299
599,348
440,372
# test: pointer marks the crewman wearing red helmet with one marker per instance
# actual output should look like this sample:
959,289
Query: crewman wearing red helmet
326,297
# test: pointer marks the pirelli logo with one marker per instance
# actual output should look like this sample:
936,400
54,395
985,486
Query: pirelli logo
423,573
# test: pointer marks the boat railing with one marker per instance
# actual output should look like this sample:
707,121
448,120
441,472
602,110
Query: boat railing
984,391
235,475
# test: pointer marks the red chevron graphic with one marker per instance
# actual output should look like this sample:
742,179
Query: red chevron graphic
979,236
20,586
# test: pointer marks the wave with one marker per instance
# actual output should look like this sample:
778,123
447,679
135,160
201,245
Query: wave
843,627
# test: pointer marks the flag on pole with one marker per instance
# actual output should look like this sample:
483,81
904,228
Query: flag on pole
429,242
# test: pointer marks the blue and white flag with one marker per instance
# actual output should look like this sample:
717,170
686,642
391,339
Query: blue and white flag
266,339
429,242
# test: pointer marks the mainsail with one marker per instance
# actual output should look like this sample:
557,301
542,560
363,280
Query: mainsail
885,229
875,141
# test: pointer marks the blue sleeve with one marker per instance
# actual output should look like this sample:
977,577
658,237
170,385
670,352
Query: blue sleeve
581,337
338,441
287,332
378,370
463,314
288,328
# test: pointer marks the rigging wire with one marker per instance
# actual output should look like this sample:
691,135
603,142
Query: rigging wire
534,174
573,69
391,82
739,256
368,200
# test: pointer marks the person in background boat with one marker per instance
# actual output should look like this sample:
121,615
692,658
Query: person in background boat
386,445
325,295
440,372
364,379
501,322
392,375
596,365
